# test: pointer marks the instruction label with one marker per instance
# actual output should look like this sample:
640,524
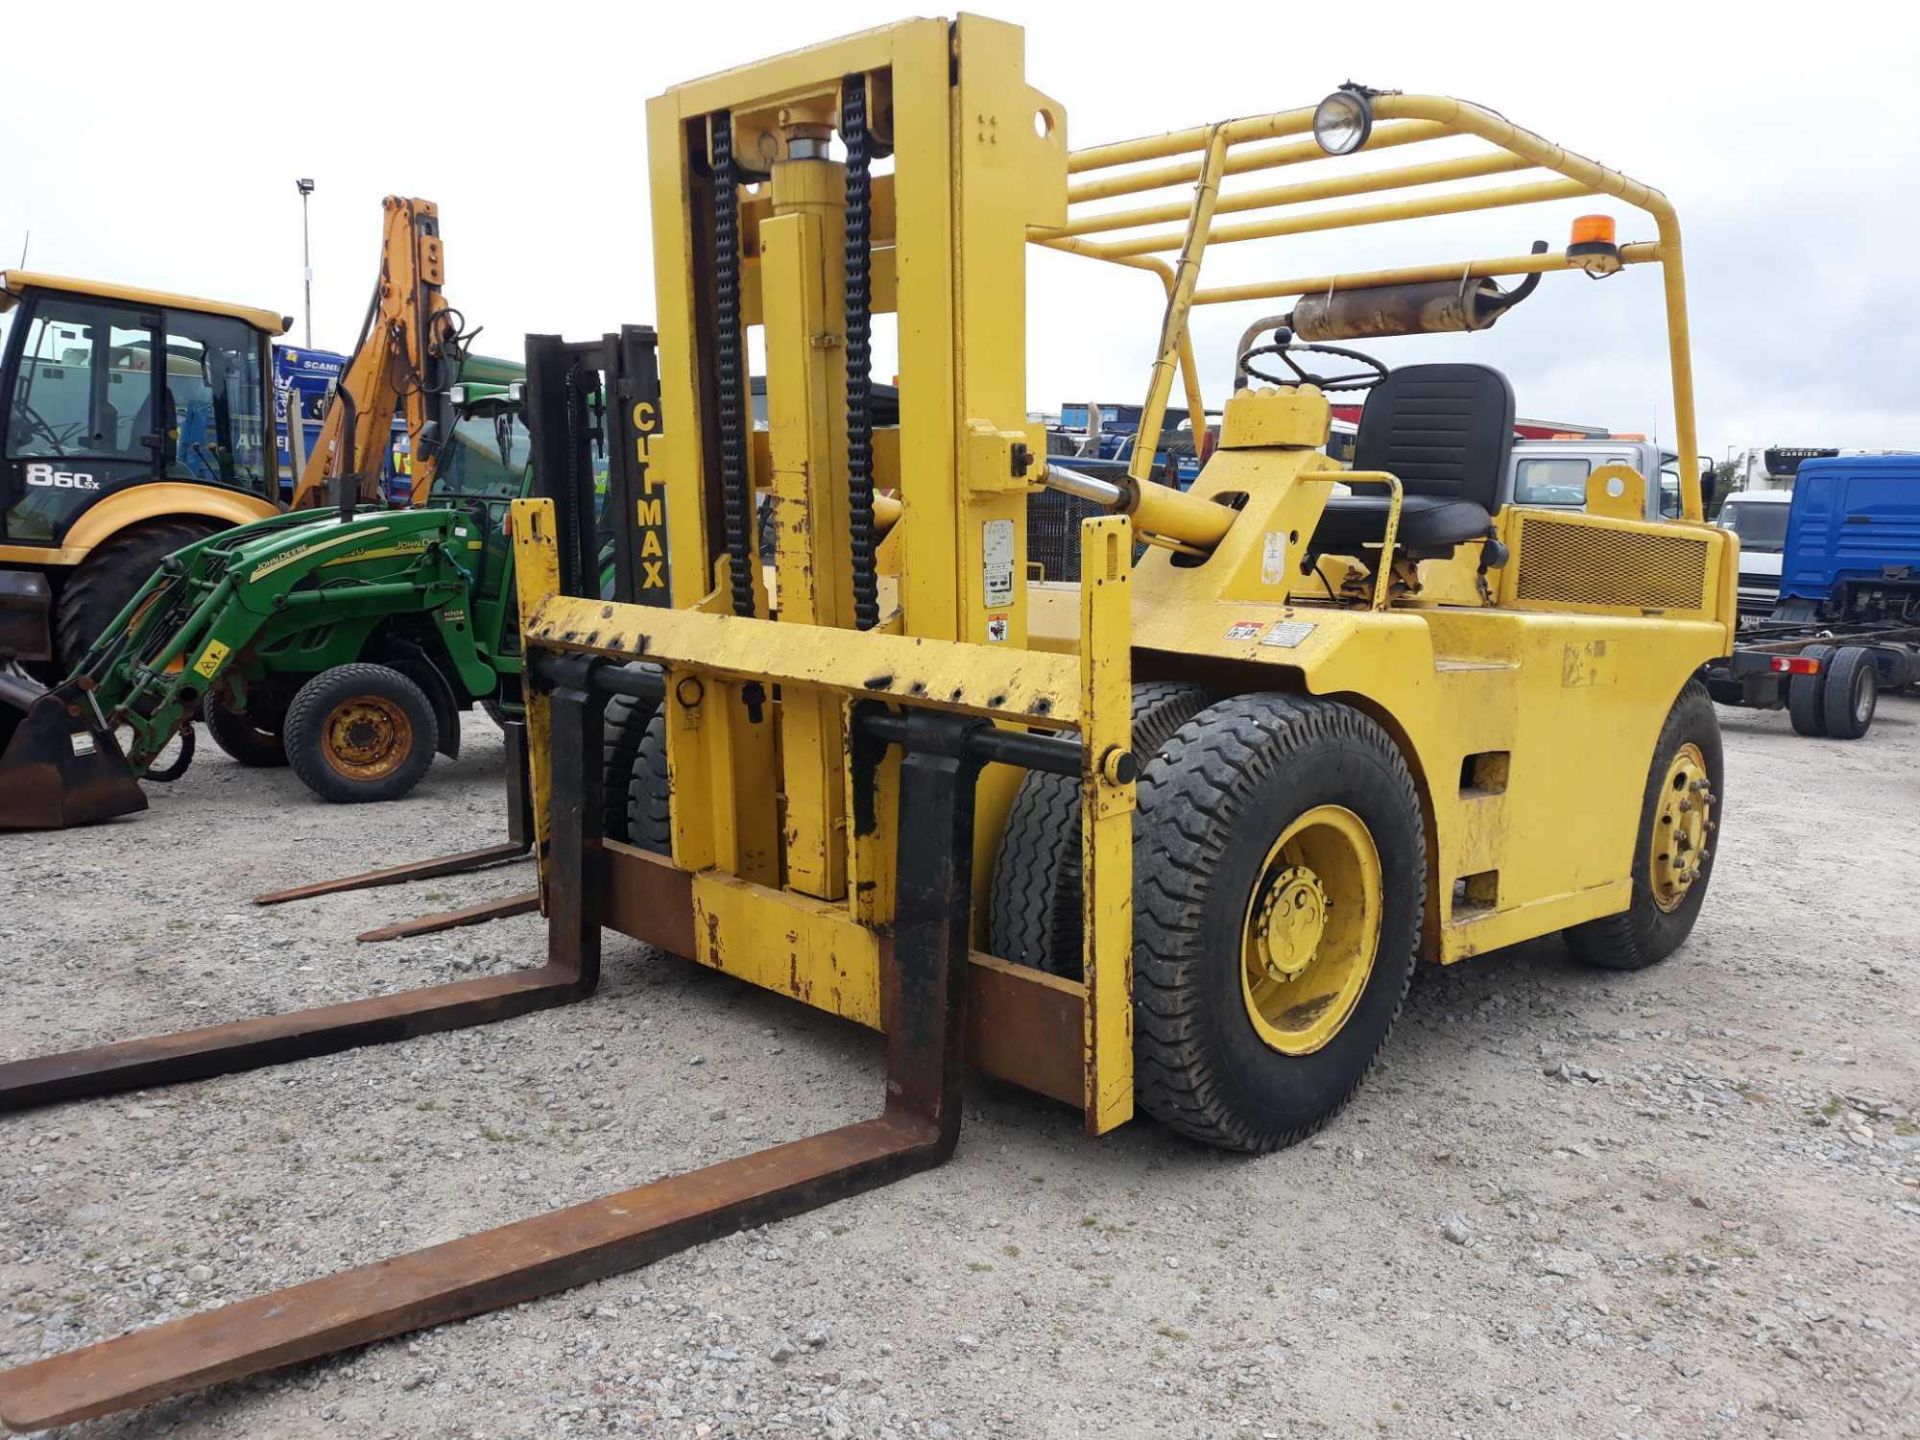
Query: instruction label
1273,558
1287,634
996,563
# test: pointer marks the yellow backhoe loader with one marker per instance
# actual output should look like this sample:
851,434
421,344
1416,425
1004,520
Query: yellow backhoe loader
1210,810
135,422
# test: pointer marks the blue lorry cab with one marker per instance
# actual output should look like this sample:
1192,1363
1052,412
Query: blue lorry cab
1853,540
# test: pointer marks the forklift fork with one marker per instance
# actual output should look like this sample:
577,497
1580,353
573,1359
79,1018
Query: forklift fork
916,1129
518,846
570,973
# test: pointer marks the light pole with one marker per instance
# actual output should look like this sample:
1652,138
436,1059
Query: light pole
306,253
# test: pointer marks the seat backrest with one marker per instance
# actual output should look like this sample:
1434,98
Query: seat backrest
1445,430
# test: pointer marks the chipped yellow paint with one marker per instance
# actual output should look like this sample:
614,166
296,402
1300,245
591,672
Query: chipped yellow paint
1107,803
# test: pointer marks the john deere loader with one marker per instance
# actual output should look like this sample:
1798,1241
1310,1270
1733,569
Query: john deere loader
344,643
1169,841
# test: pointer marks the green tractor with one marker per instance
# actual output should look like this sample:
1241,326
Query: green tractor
343,643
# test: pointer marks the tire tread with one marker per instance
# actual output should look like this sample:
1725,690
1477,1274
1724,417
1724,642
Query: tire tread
303,752
1189,798
88,602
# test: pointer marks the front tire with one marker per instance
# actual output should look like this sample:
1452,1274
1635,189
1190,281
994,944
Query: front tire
360,733
1673,857
626,721
1036,891
243,736
99,589
648,795
1280,874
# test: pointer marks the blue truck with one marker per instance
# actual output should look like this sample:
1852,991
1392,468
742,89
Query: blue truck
1847,624
1111,436
303,382
1853,541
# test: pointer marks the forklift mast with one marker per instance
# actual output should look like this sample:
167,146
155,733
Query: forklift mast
590,404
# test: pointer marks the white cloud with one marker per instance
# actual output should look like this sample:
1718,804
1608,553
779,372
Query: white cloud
158,145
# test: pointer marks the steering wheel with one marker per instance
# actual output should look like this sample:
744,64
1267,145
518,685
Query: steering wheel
56,438
1285,347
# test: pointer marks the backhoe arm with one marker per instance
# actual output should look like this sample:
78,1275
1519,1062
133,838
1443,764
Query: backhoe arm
405,361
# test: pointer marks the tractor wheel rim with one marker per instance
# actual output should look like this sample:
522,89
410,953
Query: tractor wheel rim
1312,930
1862,699
1681,821
367,737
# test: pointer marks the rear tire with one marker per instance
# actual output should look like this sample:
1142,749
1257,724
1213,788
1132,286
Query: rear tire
1851,693
1036,890
1280,876
1661,912
360,733
1806,695
107,579
243,737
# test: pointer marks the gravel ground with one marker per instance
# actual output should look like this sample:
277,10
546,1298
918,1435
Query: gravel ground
1681,1203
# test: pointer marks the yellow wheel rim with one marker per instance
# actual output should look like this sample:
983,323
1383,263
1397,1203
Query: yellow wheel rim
1682,818
367,737
1312,929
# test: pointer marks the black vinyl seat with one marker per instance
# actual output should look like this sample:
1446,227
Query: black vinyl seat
1447,432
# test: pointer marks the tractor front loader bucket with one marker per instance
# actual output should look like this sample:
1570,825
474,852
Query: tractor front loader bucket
59,765
916,1129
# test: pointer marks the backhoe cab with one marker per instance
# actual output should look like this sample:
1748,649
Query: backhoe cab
1171,838
134,422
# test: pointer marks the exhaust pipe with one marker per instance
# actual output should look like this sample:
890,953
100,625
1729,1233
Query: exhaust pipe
60,766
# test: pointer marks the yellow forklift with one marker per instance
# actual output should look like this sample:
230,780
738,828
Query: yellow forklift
1333,724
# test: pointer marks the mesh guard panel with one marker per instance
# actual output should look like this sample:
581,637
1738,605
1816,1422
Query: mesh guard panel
1563,563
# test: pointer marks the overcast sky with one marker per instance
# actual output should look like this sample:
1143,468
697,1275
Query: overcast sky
158,145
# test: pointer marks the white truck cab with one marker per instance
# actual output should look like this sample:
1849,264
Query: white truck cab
1554,472
1759,518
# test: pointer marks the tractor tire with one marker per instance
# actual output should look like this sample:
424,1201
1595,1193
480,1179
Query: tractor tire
625,727
360,733
1806,695
245,736
103,583
649,821
1280,874
1676,835
1035,915
1851,694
